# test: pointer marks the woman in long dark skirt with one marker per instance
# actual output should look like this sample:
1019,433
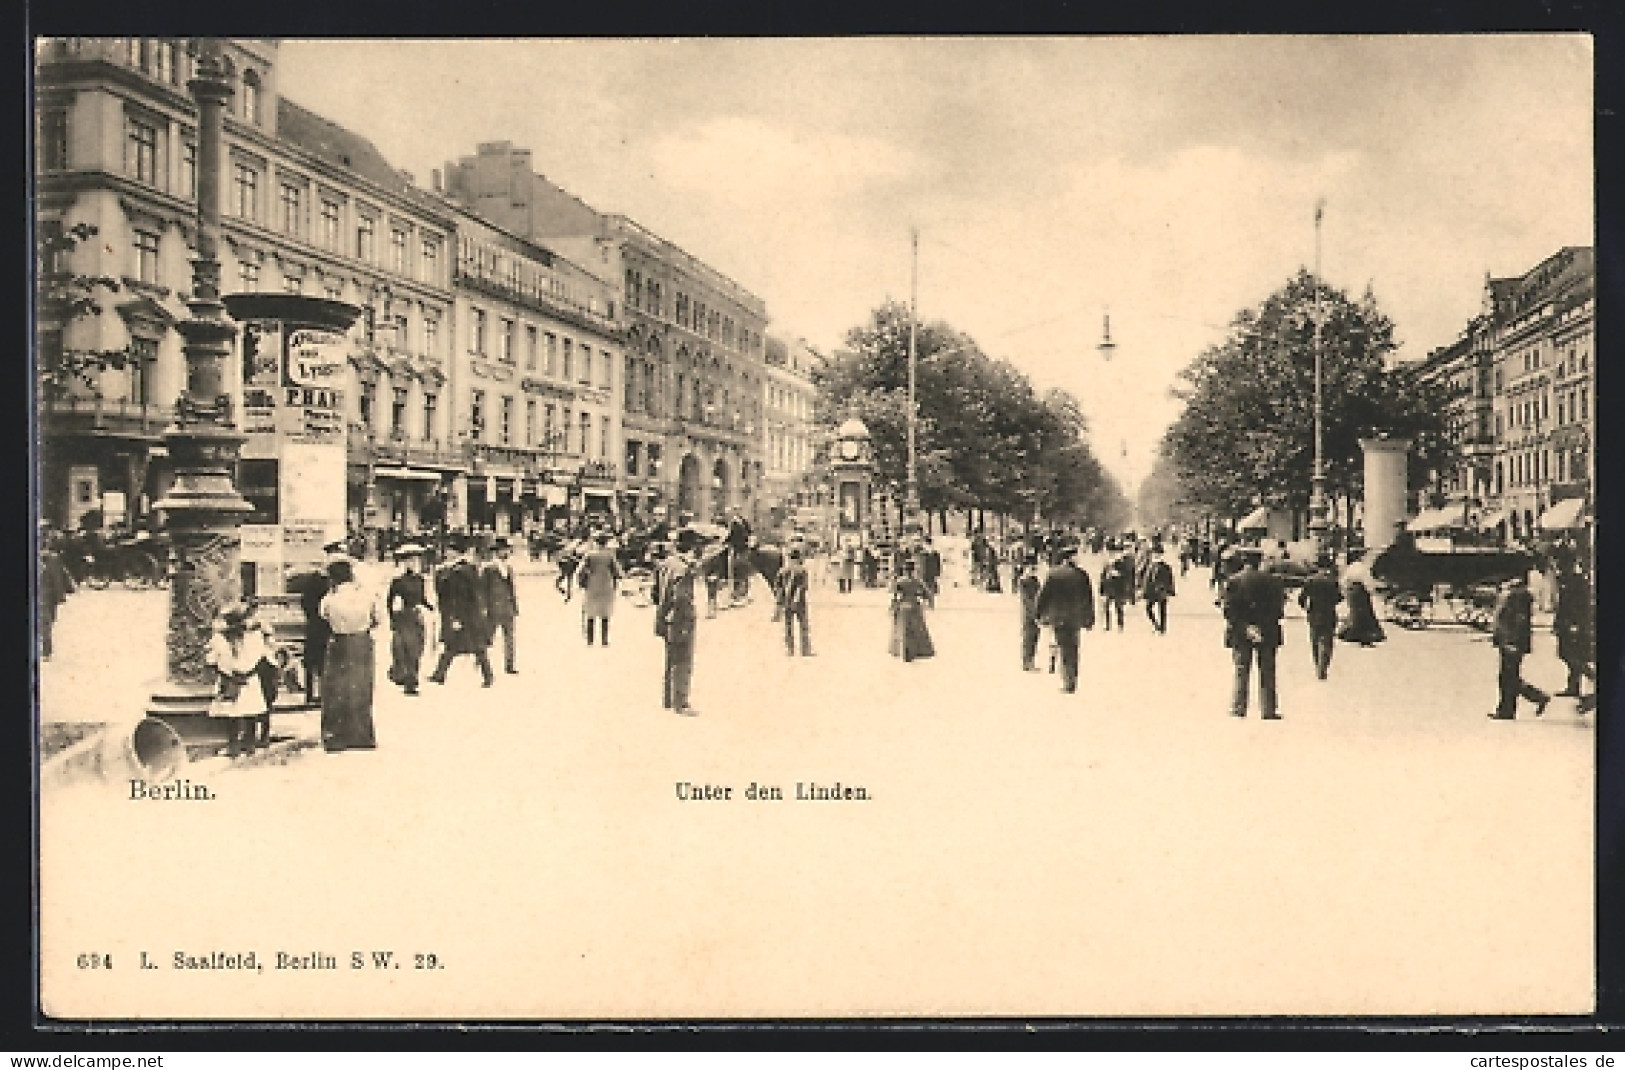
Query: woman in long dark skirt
348,677
1362,626
910,638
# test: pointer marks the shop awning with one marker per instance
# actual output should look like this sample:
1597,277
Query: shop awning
1491,521
381,472
1435,520
1565,514
1258,519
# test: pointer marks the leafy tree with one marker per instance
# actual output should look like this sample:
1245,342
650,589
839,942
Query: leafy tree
65,297
1247,431
985,439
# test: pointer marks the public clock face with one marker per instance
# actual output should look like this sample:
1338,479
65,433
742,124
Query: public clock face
849,450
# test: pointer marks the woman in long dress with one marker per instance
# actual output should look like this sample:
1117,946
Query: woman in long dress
347,680
598,574
235,650
910,639
1362,626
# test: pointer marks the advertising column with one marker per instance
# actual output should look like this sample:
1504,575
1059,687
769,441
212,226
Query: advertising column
293,462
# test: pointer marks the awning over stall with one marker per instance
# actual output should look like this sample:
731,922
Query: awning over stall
1568,513
1257,520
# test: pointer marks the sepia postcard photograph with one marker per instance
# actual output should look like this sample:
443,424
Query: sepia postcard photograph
865,528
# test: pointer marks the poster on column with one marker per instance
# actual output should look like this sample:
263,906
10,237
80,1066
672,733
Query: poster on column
921,789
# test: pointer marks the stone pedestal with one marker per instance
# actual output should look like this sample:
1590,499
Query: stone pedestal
1385,490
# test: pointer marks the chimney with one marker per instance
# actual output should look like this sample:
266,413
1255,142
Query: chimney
434,180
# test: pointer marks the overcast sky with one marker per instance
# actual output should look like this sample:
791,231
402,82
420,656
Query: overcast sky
1169,181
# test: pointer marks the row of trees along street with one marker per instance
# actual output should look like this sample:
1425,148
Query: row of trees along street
986,440
1246,435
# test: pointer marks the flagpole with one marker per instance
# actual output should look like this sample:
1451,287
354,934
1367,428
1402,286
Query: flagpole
911,494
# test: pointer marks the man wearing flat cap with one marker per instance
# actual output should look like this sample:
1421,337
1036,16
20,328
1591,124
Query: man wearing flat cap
407,600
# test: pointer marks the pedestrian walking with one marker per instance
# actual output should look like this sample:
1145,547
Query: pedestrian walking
713,569
1514,623
348,676
464,628
599,576
55,584
677,622
501,599
1067,604
1116,578
1157,588
569,559
792,600
1573,625
910,638
267,670
930,570
312,588
1027,586
1362,625
1319,599
234,650
1253,604
407,601
847,569
739,535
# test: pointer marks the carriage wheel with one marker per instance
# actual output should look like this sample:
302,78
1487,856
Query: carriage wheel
1405,609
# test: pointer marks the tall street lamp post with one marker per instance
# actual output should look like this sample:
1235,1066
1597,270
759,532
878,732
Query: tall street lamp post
1317,491
203,510
911,492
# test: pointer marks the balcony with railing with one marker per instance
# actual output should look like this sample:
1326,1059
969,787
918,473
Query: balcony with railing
106,416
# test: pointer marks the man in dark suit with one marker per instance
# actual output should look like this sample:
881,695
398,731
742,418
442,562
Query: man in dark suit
1028,585
1066,602
739,557
1157,588
1514,619
1253,604
1319,599
501,600
792,590
676,620
464,627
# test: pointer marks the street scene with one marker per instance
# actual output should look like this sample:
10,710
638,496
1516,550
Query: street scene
458,599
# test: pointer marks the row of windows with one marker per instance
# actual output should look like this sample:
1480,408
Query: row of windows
557,356
399,412
574,435
648,295
789,401
643,459
164,60
1535,467
519,274
294,207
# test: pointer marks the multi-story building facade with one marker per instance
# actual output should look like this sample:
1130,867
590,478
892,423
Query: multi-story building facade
787,421
306,206
535,382
1464,368
1523,378
1544,381
693,368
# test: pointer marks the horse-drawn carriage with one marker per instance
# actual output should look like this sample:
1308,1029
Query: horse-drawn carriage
1464,582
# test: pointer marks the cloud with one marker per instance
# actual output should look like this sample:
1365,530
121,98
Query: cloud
750,163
